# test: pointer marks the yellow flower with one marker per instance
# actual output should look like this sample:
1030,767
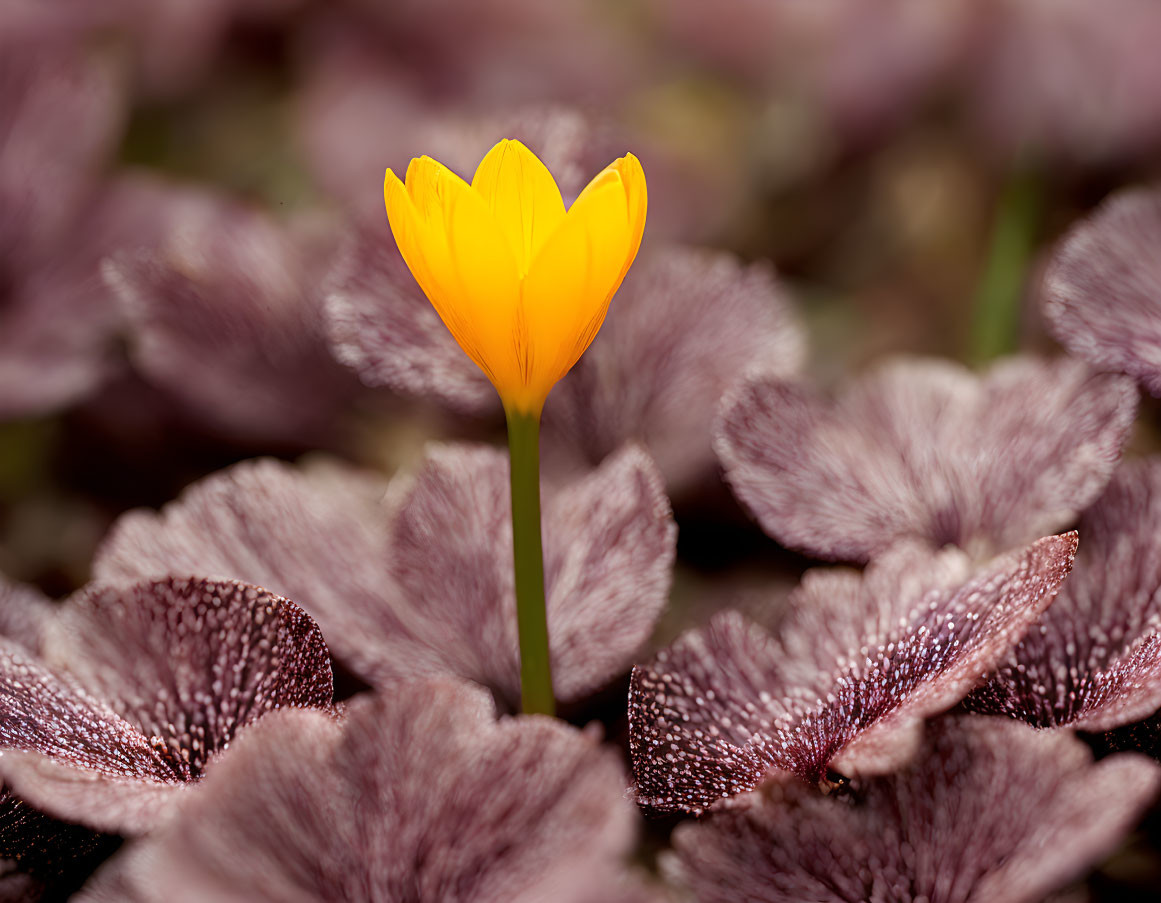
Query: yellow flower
522,284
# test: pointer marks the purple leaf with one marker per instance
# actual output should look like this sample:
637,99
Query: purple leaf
392,602
383,327
844,684
989,811
59,320
420,794
225,315
925,449
42,858
683,328
61,114
1094,660
1102,291
1061,78
141,687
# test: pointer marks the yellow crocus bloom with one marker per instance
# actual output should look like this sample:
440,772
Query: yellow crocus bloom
522,283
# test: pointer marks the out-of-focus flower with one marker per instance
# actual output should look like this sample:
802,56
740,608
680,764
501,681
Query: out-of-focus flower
175,43
61,113
927,450
989,810
687,323
1102,290
417,794
60,323
1064,79
856,665
224,314
139,688
1067,78
361,107
356,111
1094,660
520,49
522,283
860,67
395,604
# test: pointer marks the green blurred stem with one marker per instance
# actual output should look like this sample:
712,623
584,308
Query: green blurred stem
996,327
528,556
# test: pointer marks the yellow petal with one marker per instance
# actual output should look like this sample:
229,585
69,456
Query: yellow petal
523,198
452,246
410,235
568,288
633,176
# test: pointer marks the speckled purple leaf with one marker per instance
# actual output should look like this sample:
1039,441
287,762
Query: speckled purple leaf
856,665
925,449
393,602
419,795
685,326
56,717
383,327
140,686
224,311
1094,659
1102,291
989,812
319,536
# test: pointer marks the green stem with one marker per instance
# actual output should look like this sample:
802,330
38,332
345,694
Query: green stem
528,559
996,327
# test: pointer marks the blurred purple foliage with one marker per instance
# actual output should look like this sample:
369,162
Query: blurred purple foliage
257,632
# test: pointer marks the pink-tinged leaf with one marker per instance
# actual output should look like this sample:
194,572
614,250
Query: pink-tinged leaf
609,547
1094,659
845,683
420,794
989,811
46,714
1102,291
62,108
61,113
59,321
392,602
225,314
141,687
926,450
684,327
1064,79
382,326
